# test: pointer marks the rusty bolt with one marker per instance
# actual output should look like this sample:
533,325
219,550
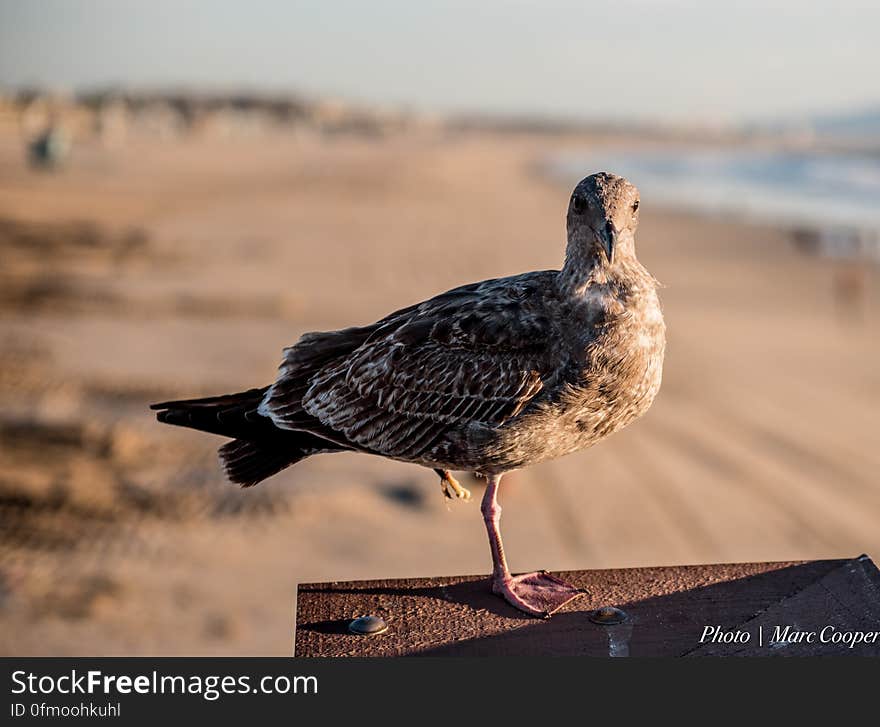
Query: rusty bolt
368,625
608,616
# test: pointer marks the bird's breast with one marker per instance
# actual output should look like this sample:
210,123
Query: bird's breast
612,378
622,368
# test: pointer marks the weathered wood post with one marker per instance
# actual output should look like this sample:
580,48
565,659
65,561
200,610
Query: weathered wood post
827,607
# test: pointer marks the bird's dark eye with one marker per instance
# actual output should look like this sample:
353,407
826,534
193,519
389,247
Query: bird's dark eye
635,206
578,204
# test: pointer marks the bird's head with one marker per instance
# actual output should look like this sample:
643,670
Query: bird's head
602,218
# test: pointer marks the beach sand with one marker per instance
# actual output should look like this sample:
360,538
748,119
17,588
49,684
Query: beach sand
175,268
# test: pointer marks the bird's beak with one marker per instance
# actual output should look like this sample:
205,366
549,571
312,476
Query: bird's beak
608,237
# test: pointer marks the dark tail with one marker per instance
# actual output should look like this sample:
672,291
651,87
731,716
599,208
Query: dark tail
259,449
231,415
249,463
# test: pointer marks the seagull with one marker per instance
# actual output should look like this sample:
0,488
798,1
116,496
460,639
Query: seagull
488,377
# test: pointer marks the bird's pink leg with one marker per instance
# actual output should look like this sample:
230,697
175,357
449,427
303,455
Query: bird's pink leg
538,594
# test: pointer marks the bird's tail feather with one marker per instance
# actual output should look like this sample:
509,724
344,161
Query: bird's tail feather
231,415
258,448
248,463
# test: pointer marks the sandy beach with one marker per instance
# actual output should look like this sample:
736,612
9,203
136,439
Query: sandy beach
175,268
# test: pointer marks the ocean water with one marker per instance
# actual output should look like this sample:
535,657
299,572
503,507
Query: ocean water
834,196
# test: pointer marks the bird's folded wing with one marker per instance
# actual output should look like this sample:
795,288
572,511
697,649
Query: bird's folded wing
471,357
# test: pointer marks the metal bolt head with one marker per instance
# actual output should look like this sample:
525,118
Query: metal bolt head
368,625
608,616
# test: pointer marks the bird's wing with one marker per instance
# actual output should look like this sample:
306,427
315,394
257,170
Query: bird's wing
475,354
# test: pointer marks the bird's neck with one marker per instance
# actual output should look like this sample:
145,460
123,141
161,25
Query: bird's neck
585,268
582,268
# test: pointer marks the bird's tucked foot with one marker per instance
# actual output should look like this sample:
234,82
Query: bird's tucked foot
451,486
537,594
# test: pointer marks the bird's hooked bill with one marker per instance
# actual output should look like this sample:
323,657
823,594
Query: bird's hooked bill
608,240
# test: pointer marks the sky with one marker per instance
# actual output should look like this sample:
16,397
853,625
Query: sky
630,60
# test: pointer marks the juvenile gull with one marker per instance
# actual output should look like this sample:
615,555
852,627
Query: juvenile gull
489,377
